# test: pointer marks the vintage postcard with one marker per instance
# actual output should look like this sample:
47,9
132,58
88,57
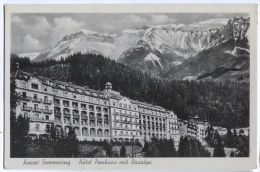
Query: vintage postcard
130,86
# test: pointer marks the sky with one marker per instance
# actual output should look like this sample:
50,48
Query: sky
36,32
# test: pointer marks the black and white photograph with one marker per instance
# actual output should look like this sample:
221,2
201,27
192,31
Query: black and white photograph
129,85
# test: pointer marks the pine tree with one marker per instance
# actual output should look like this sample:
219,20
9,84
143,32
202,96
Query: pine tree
73,142
229,138
53,132
108,148
242,146
184,147
123,150
146,146
218,147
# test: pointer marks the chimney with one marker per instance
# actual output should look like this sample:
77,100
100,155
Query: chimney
17,69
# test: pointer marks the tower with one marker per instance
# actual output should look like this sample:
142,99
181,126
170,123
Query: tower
108,87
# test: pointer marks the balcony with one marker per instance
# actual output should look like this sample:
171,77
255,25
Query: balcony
136,117
99,118
76,116
37,110
40,119
84,116
124,114
92,118
125,135
47,111
25,108
76,124
116,113
75,107
92,125
115,120
67,114
66,105
38,100
47,102
84,124
56,103
57,113
99,110
83,107
106,120
26,98
91,109
135,123
57,121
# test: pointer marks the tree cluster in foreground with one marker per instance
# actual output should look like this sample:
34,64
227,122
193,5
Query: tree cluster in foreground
224,104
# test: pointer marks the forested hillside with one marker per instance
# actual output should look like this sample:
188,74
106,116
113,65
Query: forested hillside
223,103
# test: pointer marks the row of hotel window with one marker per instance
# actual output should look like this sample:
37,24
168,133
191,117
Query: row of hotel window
121,105
35,86
65,93
35,106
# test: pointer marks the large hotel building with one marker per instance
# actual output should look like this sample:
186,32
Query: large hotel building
94,115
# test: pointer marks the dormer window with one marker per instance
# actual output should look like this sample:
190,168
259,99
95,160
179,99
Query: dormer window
74,96
65,93
23,84
35,86
45,88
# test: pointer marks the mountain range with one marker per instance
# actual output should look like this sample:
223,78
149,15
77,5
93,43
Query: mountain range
216,49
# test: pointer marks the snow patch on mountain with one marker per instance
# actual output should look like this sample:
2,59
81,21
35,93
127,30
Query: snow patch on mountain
176,62
153,58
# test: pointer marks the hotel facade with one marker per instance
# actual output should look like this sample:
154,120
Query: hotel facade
94,115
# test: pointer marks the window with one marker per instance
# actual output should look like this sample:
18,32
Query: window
82,97
26,115
23,84
114,104
24,105
35,106
120,104
24,94
129,106
35,86
35,96
125,106
46,107
47,117
36,116
37,127
45,88
74,96
45,98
